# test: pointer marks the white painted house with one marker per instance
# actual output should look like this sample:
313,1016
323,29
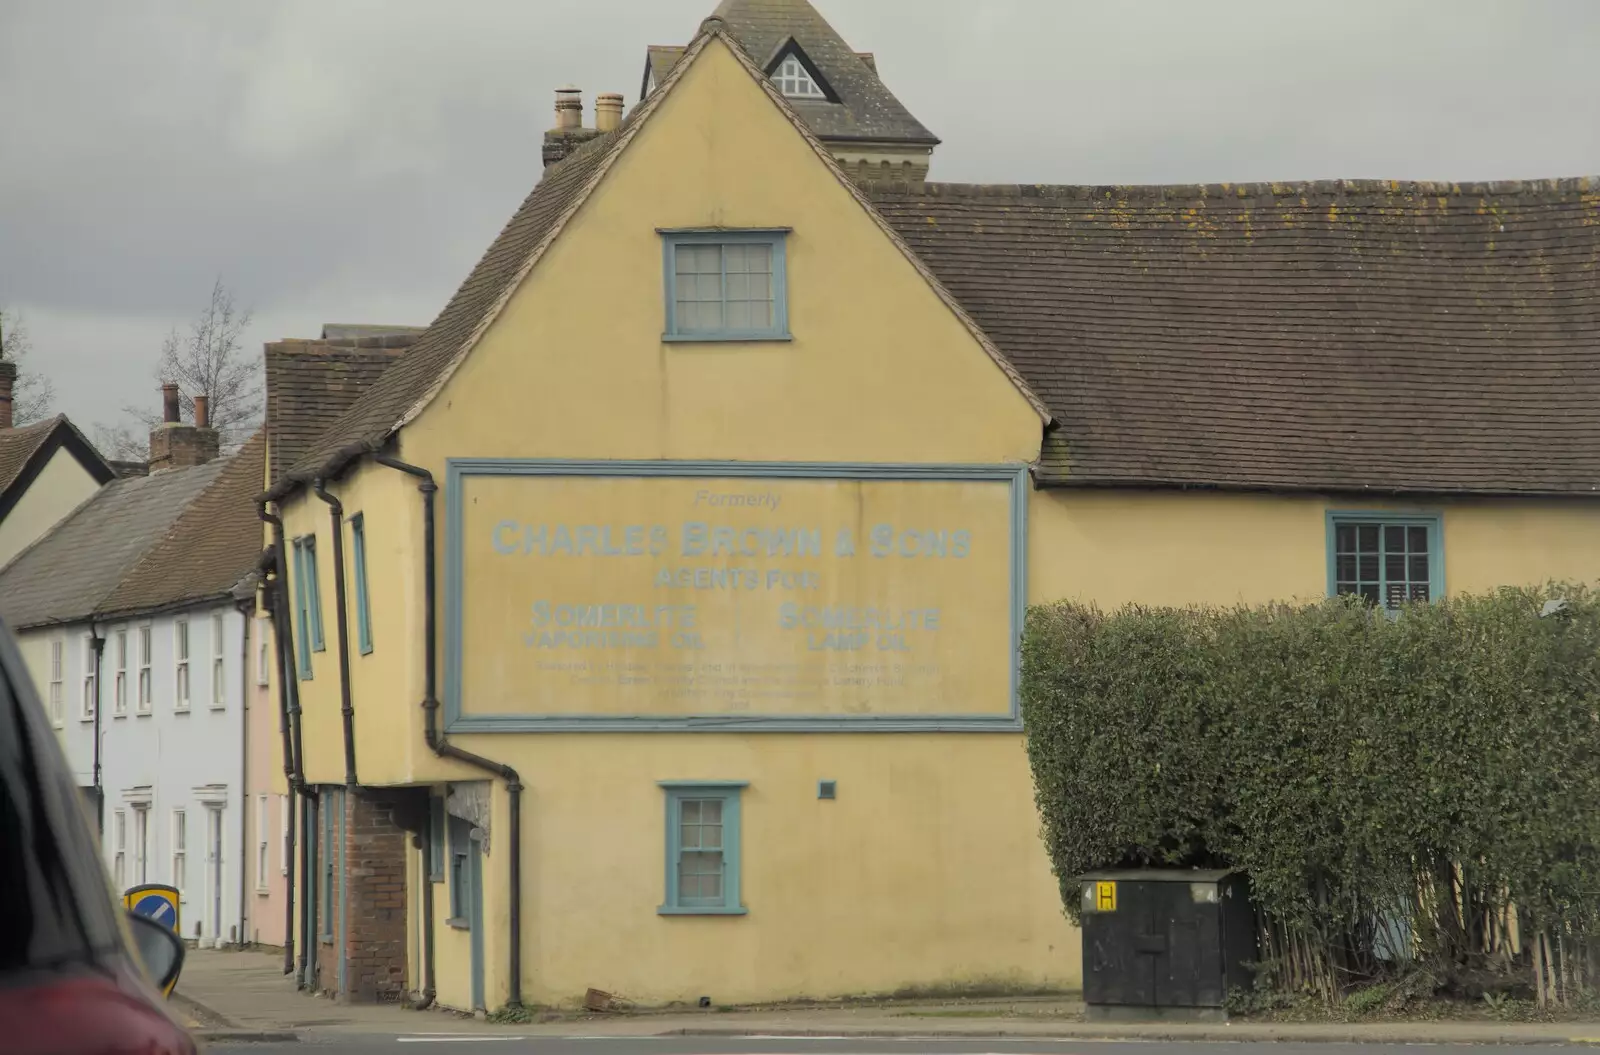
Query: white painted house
137,617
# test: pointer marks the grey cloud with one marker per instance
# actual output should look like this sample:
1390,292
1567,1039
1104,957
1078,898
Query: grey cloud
335,160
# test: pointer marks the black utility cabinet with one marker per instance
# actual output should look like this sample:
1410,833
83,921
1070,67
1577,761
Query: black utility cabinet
1160,943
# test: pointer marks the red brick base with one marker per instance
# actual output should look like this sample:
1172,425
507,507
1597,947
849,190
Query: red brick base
373,862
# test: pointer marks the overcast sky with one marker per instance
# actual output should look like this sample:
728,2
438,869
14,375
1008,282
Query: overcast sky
348,160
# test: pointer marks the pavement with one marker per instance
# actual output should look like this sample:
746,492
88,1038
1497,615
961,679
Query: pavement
447,1045
244,997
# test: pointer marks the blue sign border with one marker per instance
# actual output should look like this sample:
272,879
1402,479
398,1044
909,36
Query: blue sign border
458,470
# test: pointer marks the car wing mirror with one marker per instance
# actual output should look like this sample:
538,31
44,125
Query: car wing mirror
160,951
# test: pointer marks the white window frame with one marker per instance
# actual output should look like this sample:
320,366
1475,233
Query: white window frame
119,849
263,652
57,704
88,694
795,81
219,684
146,679
180,850
141,842
181,651
119,681
262,851
283,834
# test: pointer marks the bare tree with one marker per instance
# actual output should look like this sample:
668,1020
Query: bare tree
121,443
33,394
205,359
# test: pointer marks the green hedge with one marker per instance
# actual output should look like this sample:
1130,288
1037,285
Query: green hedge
1423,787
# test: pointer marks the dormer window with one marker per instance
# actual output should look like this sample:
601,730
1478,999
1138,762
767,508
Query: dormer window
795,81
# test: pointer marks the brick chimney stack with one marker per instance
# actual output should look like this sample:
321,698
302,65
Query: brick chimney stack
174,445
8,378
568,134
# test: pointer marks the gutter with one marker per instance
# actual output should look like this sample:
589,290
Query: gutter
342,621
289,728
98,644
425,843
443,748
244,767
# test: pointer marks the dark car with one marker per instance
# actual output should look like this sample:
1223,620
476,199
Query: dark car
78,975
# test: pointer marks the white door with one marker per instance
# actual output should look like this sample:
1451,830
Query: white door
214,829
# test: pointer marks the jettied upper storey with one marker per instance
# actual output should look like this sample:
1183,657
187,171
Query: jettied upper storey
836,90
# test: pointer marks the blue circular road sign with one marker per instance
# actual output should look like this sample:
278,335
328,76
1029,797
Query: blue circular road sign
159,908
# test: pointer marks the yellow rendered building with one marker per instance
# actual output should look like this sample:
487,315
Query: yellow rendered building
653,618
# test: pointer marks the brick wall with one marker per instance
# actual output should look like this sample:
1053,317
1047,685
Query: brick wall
373,861
175,446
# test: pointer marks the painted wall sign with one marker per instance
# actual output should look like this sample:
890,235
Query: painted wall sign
693,595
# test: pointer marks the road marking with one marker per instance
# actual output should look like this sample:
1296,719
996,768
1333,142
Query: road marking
453,1038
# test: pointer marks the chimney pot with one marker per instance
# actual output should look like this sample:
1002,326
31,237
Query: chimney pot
8,377
202,412
169,405
607,111
569,108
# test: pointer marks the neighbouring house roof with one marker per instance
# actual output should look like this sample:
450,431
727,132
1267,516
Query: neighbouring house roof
69,573
311,383
208,551
866,109
25,451
1353,336
658,62
1350,336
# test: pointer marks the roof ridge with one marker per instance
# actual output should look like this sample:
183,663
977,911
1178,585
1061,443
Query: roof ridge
1263,189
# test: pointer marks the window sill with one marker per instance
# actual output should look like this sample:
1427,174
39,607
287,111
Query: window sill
85,718
180,708
262,891
218,707
457,923
120,714
725,338
670,910
145,713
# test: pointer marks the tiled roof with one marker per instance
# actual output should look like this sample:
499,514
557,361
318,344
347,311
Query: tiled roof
866,109
658,62
67,574
19,445
311,383
208,550
25,451
1393,337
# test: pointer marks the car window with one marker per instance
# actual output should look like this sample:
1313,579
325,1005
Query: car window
61,907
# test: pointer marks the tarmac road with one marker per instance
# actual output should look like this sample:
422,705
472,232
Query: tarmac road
479,1044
